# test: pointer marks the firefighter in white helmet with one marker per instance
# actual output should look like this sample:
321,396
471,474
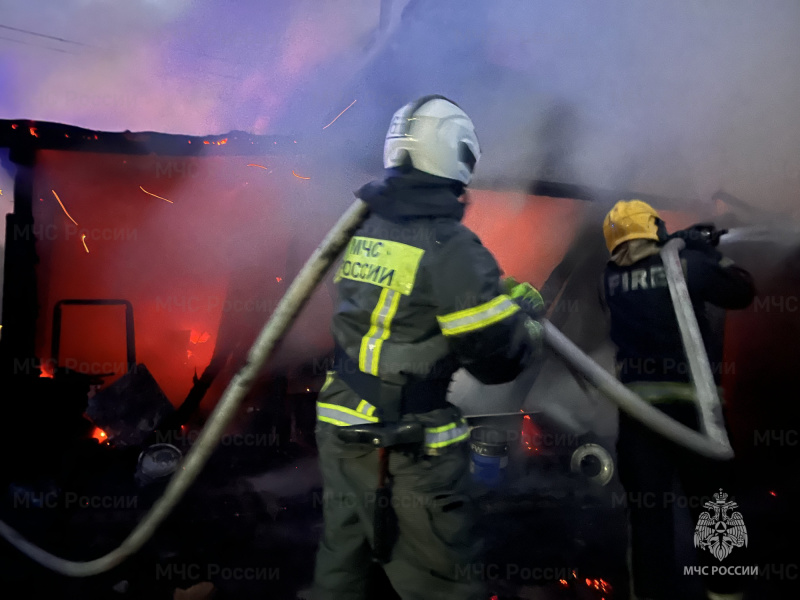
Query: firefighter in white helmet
419,298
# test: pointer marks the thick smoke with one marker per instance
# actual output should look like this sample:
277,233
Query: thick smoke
679,100
676,99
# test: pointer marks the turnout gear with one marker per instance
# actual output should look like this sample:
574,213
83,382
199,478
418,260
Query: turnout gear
433,135
643,322
651,361
527,296
419,298
631,220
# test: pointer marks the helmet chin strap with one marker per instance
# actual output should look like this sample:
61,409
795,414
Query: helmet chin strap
661,232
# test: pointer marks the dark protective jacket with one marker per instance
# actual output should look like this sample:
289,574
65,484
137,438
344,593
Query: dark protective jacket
419,298
643,322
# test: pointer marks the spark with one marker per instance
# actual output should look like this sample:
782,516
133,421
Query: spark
154,196
83,239
339,115
255,165
298,176
33,132
62,207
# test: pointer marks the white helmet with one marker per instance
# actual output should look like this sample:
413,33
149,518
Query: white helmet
435,136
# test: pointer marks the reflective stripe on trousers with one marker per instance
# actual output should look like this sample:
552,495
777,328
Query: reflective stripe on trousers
436,438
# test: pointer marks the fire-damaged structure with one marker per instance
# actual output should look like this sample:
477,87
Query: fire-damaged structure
139,268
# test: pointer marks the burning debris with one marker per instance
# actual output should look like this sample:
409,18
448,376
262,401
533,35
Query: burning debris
130,408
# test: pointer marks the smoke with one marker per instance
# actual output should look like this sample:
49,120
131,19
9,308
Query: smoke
663,98
679,100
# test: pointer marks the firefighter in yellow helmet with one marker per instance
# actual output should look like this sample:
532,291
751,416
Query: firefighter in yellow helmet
651,361
419,298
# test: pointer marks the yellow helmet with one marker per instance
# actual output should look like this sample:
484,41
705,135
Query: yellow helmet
630,220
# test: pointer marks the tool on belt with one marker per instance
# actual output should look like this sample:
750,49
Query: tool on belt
384,436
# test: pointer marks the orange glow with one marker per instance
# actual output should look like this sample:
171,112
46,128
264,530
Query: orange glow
773,494
279,279
83,239
529,434
337,116
299,176
33,132
46,371
99,435
259,166
154,196
195,337
223,141
563,582
62,207
589,582
206,142
14,126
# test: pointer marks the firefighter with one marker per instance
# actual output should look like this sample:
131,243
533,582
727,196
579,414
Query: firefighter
651,361
419,298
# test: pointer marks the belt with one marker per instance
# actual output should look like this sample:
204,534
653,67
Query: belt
394,398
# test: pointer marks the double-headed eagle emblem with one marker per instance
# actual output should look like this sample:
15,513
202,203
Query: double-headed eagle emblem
720,533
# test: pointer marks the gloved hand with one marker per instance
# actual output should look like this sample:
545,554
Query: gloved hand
527,296
702,237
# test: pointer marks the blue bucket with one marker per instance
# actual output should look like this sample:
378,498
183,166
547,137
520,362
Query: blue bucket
489,458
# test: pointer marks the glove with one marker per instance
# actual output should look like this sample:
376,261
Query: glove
702,237
527,296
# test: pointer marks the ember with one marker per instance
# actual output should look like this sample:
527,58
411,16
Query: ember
339,115
154,196
299,176
99,435
83,239
63,208
33,132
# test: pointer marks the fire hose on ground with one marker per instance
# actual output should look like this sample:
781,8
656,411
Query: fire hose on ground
714,444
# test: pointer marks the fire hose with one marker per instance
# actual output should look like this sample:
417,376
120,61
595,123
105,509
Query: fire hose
714,445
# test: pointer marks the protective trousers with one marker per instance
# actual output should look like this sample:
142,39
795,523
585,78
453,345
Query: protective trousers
436,550
649,466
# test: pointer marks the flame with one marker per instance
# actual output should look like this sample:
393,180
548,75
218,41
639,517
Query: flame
154,196
14,126
99,435
195,337
46,371
339,115
299,176
206,142
1,192
64,209
259,166
83,239
33,132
